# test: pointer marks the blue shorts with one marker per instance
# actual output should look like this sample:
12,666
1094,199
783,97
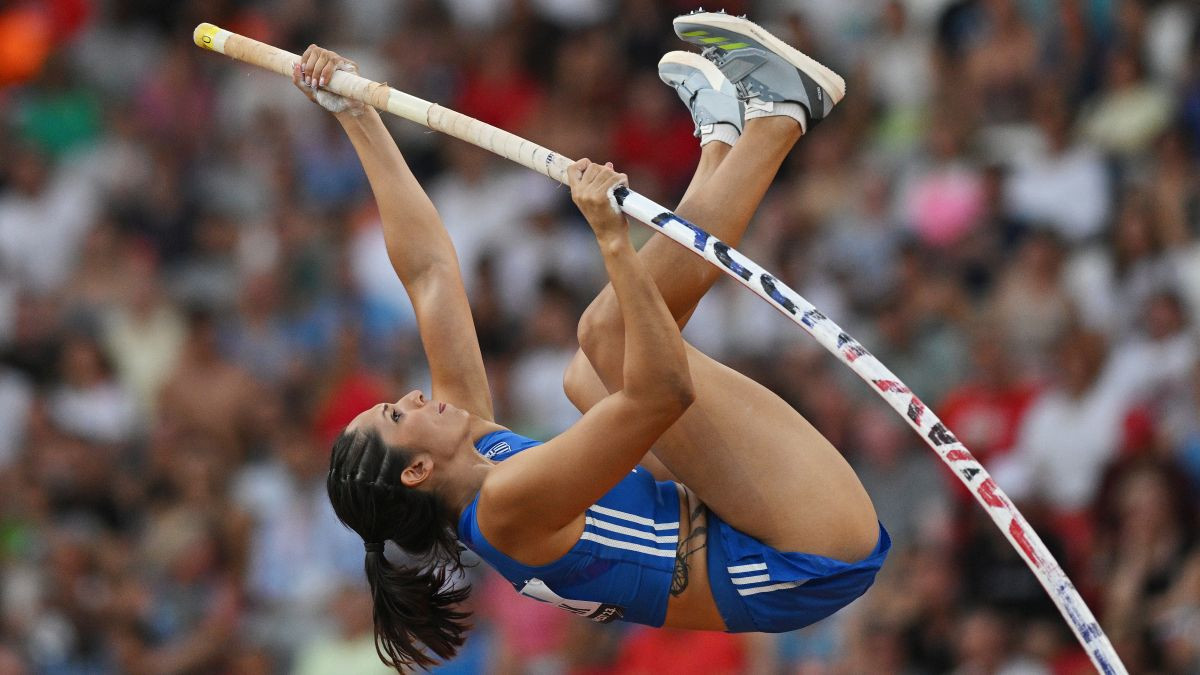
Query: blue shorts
759,589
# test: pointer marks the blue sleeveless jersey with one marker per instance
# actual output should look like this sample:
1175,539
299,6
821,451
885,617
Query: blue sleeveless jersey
621,566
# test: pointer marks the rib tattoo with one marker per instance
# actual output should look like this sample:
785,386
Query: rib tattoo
690,545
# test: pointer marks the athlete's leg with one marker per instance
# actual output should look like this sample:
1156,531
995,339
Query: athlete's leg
747,454
725,190
722,200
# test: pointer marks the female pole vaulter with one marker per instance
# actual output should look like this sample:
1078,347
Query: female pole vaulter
687,495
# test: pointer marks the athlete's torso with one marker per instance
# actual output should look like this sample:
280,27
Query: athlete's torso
621,564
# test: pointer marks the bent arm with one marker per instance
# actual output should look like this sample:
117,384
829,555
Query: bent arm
656,367
572,471
425,261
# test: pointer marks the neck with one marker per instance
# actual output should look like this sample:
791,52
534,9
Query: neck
460,494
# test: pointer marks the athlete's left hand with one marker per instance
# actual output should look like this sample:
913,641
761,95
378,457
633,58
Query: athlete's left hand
591,188
315,69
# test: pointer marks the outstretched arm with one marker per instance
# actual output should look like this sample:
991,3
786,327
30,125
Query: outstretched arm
417,243
546,488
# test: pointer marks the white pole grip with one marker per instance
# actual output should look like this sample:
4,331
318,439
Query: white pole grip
383,97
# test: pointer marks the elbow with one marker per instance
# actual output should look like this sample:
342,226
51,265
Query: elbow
684,393
670,396
678,383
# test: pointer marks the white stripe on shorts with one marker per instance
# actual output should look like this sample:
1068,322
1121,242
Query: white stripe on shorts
737,569
640,520
621,529
772,587
628,546
750,580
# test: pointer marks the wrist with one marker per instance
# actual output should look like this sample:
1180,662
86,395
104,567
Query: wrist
613,243
352,117
349,114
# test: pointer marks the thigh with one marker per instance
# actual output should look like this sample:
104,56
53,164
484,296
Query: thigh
764,469
754,461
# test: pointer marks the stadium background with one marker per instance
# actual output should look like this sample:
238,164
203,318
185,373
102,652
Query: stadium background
194,297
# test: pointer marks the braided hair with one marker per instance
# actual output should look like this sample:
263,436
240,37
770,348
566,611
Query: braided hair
415,608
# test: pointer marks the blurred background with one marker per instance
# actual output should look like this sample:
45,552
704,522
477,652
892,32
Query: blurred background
194,298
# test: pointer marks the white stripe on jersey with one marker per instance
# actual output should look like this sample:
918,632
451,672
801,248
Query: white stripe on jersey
621,529
750,580
628,546
736,569
772,587
497,448
640,520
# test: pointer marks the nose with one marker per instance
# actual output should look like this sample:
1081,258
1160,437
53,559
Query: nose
414,397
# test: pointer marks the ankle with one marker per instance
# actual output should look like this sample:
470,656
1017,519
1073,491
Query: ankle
756,109
722,133
777,125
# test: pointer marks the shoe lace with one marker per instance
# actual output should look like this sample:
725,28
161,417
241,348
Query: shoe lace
717,56
745,87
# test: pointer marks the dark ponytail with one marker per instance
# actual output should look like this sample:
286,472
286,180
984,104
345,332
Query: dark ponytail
416,610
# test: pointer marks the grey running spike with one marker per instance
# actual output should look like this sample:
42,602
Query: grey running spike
762,67
709,96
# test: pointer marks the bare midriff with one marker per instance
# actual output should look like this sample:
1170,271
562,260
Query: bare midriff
693,608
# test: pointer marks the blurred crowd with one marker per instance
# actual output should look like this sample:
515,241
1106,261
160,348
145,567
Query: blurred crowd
194,299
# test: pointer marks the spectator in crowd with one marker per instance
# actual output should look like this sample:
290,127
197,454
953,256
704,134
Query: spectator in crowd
987,408
90,403
207,394
1029,305
1129,112
352,647
44,215
1060,166
1071,431
1148,547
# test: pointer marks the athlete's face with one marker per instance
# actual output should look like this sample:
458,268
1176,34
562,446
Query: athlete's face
418,425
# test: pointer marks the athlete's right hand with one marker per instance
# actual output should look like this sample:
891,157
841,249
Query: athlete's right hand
315,69
591,188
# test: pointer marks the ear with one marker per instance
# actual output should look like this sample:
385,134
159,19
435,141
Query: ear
418,471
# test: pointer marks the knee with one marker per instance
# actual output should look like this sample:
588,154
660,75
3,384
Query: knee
600,326
578,382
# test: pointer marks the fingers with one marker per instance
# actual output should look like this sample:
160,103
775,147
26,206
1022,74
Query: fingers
603,177
319,69
614,180
307,63
592,184
317,66
576,171
594,174
588,175
296,80
335,63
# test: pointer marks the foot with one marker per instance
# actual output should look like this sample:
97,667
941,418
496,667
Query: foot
765,70
709,96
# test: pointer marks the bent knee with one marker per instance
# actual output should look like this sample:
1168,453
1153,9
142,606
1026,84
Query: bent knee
582,386
601,326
